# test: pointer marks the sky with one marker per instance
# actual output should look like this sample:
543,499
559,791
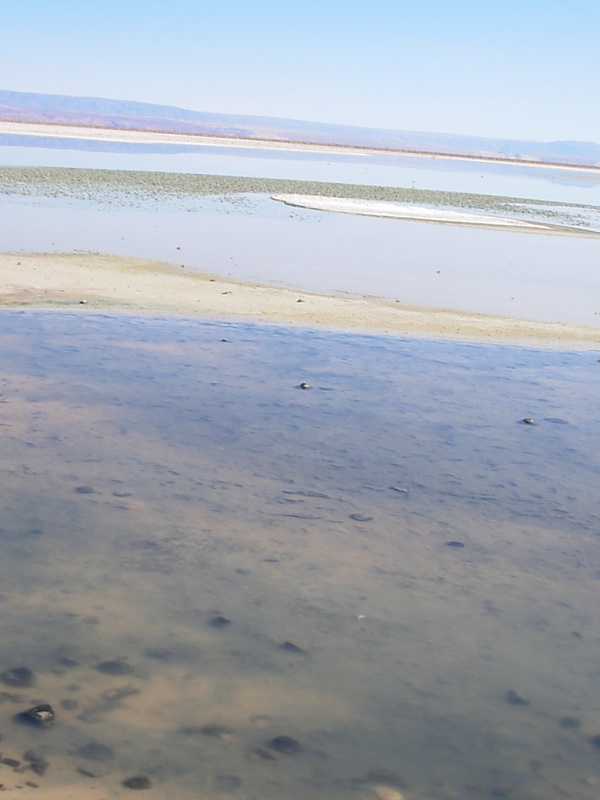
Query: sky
526,69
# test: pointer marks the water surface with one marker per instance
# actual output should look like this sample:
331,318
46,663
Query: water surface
431,561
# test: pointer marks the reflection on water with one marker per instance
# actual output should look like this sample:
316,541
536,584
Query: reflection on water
441,174
235,587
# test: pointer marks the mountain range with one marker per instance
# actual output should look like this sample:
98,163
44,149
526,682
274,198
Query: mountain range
120,114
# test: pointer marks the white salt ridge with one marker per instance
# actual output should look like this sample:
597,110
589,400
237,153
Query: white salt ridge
375,208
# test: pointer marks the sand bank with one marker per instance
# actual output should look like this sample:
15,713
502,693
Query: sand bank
92,282
372,208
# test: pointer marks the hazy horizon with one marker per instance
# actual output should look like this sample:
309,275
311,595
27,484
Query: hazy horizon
520,71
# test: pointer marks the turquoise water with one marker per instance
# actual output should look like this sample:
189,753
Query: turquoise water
158,475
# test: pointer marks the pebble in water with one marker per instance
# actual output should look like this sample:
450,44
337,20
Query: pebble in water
515,699
294,647
137,782
18,676
284,744
569,723
68,662
41,716
85,490
527,421
219,621
116,667
37,762
454,543
304,385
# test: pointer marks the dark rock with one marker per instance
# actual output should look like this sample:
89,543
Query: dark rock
361,517
285,744
304,385
454,543
93,751
32,784
41,716
569,723
116,667
18,676
137,782
68,662
294,647
515,699
85,490
527,421
219,621
37,762
11,762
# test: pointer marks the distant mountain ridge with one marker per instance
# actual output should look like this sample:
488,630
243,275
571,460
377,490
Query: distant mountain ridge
130,115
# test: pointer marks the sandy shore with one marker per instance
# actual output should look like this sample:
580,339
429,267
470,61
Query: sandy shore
88,282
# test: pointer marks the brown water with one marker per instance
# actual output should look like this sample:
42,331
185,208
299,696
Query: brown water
158,474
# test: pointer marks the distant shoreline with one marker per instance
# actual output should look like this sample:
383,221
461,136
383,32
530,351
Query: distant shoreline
137,136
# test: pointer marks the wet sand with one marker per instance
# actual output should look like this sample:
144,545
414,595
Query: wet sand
94,282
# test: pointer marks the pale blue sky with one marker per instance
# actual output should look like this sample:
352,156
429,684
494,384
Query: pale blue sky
527,69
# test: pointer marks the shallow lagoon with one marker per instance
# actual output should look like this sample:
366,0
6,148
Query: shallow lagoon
158,474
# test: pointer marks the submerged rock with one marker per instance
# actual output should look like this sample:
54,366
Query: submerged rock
116,667
137,782
219,621
285,744
515,699
294,647
36,761
569,723
42,716
18,676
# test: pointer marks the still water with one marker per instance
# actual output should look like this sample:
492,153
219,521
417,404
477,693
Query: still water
228,586
558,185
